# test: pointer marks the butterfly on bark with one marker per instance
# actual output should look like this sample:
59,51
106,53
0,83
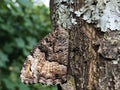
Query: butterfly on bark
47,61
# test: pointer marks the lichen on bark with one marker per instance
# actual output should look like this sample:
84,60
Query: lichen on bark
104,13
63,14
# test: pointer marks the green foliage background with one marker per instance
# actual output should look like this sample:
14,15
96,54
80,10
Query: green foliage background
22,25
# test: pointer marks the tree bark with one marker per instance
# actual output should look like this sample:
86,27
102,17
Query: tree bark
88,69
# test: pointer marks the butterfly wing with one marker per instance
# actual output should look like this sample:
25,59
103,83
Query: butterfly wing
47,61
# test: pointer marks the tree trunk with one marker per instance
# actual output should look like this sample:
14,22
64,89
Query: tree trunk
93,62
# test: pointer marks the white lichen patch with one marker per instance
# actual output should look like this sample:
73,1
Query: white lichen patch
115,62
77,13
104,13
63,16
59,1
73,20
63,13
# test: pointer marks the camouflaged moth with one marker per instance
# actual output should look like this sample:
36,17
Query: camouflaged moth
47,61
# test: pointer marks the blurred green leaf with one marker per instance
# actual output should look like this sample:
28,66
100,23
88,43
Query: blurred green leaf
20,42
3,59
25,3
25,52
8,84
8,48
23,87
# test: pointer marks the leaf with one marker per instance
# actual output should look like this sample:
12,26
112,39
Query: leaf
1,20
25,52
25,3
8,48
28,22
8,28
9,84
20,43
23,87
3,59
31,42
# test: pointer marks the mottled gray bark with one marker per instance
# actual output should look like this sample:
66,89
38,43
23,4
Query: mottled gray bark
93,60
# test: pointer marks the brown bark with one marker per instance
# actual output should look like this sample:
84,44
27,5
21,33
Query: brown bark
87,70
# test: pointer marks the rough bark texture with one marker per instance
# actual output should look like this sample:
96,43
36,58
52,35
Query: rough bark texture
88,68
